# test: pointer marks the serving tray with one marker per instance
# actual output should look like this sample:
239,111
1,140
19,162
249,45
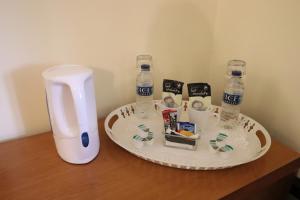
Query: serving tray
250,140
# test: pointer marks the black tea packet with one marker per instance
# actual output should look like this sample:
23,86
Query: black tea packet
199,96
172,93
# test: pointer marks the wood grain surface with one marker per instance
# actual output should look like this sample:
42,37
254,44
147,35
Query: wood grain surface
31,169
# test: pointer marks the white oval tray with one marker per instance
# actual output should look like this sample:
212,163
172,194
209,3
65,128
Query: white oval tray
121,123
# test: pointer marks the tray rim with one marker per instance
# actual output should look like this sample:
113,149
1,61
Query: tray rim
260,153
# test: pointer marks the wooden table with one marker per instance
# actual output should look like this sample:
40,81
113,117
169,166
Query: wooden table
31,169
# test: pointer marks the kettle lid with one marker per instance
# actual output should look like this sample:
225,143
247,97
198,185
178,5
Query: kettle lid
64,71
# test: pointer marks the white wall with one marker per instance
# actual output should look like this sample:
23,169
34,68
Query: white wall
104,34
266,34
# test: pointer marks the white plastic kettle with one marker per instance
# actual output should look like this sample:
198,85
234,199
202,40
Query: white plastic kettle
72,111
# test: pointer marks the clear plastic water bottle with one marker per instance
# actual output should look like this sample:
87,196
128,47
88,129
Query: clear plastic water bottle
233,95
144,90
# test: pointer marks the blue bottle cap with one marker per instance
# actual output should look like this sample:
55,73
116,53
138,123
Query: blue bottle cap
145,67
236,73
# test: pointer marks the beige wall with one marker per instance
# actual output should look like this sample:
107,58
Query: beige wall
190,40
266,34
104,34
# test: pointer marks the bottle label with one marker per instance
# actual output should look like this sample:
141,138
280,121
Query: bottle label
144,91
233,99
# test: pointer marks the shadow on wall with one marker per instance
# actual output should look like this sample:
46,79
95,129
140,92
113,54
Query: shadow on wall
256,100
269,113
181,39
28,87
105,91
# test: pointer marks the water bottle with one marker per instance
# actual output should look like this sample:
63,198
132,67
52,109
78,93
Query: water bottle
233,95
144,90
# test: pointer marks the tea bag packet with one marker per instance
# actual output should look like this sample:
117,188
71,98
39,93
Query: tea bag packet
186,128
172,93
199,96
170,119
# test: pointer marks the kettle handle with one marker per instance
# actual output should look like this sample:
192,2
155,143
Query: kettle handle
79,99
